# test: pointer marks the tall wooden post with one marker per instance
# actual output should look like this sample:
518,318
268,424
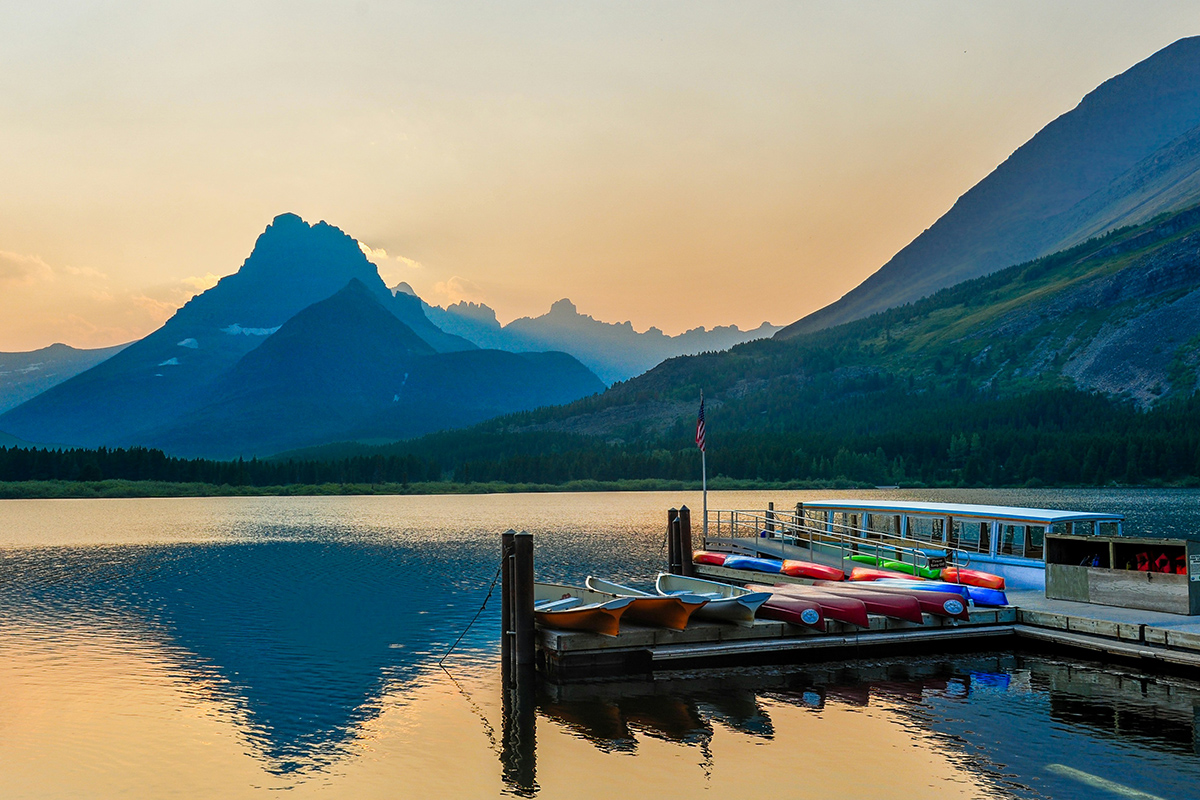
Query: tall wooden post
673,560
522,599
771,520
507,626
686,567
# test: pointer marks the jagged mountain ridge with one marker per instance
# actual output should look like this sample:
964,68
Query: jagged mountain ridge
346,368
27,374
1118,315
614,351
1127,152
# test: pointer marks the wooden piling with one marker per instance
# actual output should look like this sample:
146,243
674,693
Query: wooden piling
522,600
507,629
770,525
685,543
673,559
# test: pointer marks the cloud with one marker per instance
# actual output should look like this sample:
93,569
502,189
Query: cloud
201,283
378,254
457,289
23,270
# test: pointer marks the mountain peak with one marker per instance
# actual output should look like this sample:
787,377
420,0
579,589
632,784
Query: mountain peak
564,307
403,288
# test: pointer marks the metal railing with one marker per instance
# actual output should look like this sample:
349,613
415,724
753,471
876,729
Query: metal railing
828,537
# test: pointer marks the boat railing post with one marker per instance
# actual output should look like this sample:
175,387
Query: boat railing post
685,542
522,600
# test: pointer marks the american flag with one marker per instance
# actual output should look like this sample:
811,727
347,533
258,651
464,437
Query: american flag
700,426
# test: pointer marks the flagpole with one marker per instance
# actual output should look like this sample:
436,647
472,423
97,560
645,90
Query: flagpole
704,488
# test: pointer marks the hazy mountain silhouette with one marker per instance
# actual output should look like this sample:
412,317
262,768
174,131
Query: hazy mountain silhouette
28,374
346,368
1128,151
170,372
614,351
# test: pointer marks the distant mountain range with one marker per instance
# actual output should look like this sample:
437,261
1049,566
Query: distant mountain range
25,375
199,385
614,351
1129,151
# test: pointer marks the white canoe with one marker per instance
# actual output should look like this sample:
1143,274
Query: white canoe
725,603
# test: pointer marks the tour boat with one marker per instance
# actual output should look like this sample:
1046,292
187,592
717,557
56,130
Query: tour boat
657,611
1006,541
725,603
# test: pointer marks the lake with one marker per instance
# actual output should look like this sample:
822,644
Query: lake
229,647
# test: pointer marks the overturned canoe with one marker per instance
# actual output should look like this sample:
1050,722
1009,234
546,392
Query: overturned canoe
769,565
809,569
725,603
657,611
896,605
972,577
833,606
941,604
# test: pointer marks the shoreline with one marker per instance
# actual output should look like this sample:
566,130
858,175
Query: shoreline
55,490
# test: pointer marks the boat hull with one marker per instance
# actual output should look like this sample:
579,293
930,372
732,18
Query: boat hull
738,608
655,611
887,604
833,606
602,618
940,604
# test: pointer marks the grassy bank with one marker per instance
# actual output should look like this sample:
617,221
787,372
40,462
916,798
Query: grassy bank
38,490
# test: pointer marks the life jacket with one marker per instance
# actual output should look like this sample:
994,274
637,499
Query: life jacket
1180,565
1143,562
1162,563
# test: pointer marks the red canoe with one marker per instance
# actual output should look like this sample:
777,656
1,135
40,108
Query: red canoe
941,604
833,606
872,574
971,577
807,569
888,604
789,608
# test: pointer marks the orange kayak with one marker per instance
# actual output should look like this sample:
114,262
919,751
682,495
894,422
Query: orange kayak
972,577
808,569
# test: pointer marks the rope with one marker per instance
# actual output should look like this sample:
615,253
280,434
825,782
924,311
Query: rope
474,619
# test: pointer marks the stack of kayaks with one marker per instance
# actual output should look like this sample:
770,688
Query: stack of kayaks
725,603
952,605
833,606
897,605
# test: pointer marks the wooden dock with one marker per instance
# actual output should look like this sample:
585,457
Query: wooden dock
1155,640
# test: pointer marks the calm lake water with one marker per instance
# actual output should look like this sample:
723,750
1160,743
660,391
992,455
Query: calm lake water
235,646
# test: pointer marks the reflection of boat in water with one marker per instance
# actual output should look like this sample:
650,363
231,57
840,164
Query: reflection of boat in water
597,720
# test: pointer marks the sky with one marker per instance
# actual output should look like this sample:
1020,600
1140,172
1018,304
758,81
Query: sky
674,164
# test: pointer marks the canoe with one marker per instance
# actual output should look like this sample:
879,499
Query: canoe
754,564
972,577
705,557
834,606
654,610
791,608
940,604
572,614
879,601
725,603
808,569
872,574
979,595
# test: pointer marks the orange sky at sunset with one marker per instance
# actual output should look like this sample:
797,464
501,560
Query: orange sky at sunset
673,164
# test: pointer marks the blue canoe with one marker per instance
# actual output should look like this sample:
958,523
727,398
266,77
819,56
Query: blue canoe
754,564
976,594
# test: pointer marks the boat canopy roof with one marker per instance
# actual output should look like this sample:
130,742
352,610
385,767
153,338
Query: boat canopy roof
1035,516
